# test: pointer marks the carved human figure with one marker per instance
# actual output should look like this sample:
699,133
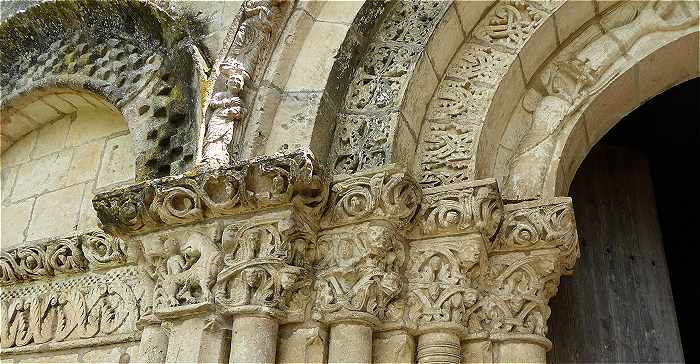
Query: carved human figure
188,267
227,110
253,32
571,83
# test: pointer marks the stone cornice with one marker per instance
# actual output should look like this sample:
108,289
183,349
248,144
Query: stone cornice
74,254
262,183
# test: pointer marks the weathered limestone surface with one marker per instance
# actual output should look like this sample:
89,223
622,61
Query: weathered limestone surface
307,181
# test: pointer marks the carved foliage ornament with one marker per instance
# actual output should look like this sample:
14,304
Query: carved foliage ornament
259,183
94,306
463,208
266,266
383,195
442,279
92,250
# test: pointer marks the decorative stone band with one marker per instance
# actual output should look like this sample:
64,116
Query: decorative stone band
95,308
271,181
75,254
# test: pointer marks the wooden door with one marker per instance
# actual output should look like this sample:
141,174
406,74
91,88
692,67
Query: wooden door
618,305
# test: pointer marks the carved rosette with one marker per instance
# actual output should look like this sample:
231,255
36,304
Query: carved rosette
277,180
266,266
89,251
537,243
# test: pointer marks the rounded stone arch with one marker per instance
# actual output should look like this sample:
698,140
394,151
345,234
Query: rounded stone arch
609,66
138,58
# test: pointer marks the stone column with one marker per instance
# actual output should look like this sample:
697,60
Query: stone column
537,243
361,258
253,339
154,341
447,264
350,342
265,268
207,259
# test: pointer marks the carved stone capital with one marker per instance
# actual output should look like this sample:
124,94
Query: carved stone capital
536,244
267,261
461,208
540,225
379,194
443,280
359,273
89,251
182,265
283,179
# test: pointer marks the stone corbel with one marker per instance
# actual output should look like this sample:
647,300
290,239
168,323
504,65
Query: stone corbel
537,243
362,251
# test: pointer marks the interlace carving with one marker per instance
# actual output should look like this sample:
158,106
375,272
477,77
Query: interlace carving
93,250
511,23
442,279
365,139
266,266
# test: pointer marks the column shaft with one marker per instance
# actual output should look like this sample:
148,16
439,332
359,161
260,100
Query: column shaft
439,347
520,352
153,345
350,343
254,339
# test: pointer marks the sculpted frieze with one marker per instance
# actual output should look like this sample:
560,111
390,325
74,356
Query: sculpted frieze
75,254
277,180
95,307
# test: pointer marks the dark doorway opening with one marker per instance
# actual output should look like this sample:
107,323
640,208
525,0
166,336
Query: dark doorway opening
634,200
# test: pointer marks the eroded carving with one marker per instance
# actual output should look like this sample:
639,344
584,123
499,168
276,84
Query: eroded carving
225,110
185,270
385,194
93,250
359,272
276,180
266,267
102,306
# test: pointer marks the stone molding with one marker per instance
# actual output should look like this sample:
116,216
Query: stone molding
95,308
93,250
267,182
